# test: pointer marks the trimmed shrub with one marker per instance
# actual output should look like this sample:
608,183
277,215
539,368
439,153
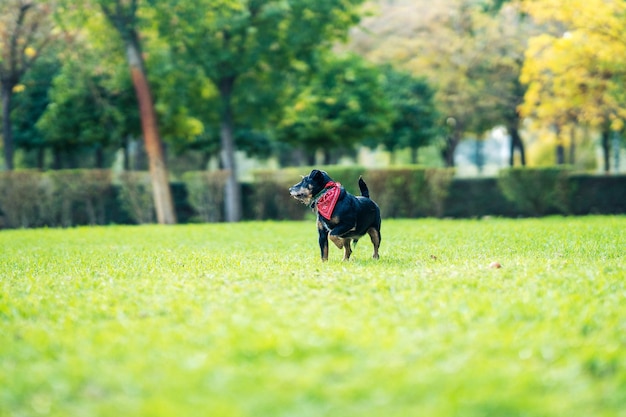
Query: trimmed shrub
76,197
54,198
271,198
400,192
477,197
79,196
537,191
20,198
205,193
438,181
135,196
598,194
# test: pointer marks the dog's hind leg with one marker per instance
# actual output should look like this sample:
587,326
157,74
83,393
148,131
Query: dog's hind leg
347,250
375,236
342,243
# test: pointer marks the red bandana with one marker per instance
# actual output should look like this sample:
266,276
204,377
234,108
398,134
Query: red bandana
326,203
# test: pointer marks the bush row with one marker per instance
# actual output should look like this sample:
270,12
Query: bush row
78,197
400,192
56,198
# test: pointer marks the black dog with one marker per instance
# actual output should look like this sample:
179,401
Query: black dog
341,216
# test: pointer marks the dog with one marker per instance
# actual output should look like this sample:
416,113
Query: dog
341,217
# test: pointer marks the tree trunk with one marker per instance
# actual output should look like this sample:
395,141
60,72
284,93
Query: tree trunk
99,157
414,155
204,160
606,150
57,159
560,154
516,143
309,157
560,150
616,151
572,146
7,129
232,193
452,142
125,155
41,157
163,201
479,155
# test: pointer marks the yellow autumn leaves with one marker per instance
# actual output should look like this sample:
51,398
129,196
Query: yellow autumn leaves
575,70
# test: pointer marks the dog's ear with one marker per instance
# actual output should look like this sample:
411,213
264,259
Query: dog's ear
315,174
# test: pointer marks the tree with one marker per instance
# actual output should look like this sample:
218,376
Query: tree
26,28
343,104
123,16
414,123
30,101
86,114
471,51
575,72
439,41
234,40
506,34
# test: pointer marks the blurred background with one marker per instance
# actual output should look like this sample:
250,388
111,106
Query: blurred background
239,86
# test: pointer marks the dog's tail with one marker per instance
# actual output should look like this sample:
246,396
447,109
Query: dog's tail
363,187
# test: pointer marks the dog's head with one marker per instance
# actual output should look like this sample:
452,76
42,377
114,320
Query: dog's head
310,186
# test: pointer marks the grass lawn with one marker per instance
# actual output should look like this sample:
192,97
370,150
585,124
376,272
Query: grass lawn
245,320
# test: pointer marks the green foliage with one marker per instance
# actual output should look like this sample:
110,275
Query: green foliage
537,191
344,103
244,320
415,120
31,103
205,193
83,114
27,31
247,49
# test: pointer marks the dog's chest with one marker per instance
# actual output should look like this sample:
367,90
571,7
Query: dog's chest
329,224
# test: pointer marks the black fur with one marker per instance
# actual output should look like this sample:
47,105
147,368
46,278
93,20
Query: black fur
352,218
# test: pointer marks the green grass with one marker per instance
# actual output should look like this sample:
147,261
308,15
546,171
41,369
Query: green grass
245,320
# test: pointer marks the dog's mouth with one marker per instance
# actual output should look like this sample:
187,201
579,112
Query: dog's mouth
301,195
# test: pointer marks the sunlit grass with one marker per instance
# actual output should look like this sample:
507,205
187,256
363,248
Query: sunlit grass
245,320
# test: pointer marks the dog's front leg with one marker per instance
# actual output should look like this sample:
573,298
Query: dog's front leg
323,240
347,249
375,237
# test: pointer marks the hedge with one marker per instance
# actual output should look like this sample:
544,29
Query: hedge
57,198
82,197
